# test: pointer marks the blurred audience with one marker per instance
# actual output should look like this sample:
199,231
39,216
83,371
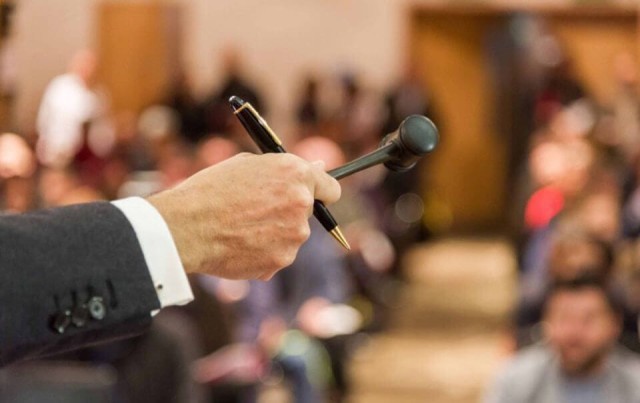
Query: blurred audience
578,286
580,360
217,113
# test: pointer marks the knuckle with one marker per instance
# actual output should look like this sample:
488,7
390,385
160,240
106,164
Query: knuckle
302,199
274,262
289,257
304,232
284,259
297,168
288,161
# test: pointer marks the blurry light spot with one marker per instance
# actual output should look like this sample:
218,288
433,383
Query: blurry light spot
158,122
339,319
409,208
230,291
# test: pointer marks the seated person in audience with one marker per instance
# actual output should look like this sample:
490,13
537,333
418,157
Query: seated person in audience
580,360
573,253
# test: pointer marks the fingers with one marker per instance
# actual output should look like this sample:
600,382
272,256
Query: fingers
326,188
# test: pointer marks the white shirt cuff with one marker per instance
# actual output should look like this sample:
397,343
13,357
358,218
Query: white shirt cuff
159,250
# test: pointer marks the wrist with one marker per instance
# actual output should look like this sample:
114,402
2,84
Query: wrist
172,217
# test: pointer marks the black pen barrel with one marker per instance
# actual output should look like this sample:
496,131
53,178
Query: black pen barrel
321,212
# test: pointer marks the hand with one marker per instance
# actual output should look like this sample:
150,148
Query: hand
246,217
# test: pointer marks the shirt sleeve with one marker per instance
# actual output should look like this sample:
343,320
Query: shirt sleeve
159,251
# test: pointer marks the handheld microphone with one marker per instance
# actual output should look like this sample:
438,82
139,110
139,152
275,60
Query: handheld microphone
399,151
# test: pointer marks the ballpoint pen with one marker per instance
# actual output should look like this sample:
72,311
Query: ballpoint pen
268,142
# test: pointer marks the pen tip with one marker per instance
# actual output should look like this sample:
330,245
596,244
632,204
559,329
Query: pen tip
337,234
236,101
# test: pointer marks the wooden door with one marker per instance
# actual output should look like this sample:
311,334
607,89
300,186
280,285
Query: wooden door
139,49
466,176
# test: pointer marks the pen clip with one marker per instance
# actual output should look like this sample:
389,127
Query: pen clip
260,120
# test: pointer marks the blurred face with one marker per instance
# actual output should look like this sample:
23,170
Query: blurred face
320,149
547,163
214,151
19,194
601,215
571,258
581,328
85,65
54,185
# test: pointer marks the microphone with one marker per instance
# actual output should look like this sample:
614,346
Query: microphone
399,151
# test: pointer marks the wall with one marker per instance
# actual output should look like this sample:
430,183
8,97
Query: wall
281,39
46,34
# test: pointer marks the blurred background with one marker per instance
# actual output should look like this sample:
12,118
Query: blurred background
507,256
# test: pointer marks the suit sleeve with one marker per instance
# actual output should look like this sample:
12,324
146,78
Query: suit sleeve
70,277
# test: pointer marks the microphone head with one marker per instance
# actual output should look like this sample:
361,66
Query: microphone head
416,136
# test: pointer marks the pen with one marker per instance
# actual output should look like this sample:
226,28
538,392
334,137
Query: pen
268,142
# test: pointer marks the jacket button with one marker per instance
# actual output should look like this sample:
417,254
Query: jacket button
61,321
97,308
79,316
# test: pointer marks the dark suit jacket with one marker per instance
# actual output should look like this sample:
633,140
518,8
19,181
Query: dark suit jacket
70,277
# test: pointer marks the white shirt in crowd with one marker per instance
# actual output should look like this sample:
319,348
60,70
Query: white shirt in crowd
66,104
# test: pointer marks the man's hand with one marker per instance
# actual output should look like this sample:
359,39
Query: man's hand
246,217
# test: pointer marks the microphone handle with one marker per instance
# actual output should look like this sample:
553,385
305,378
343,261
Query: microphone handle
379,156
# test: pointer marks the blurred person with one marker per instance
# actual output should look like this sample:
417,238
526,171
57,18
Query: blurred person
18,194
626,106
17,174
559,172
175,162
308,108
359,116
372,254
559,88
86,293
115,174
407,97
63,187
214,150
69,101
402,191
547,165
287,323
182,100
631,203
573,253
16,157
580,360
87,163
600,214
217,113
367,264
278,322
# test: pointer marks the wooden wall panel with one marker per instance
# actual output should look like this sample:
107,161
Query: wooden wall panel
592,43
138,44
467,171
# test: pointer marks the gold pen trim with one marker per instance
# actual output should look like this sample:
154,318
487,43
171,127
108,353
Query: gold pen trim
337,234
263,122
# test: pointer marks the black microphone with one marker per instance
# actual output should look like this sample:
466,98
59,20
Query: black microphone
399,151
